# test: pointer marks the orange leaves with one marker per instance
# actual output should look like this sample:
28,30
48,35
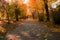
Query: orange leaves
23,6
32,3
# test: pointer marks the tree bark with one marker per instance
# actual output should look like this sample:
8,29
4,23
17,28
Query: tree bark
16,13
47,11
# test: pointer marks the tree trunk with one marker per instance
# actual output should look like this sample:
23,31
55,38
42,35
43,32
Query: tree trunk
47,11
16,15
7,15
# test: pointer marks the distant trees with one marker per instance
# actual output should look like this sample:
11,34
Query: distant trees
12,11
40,9
7,9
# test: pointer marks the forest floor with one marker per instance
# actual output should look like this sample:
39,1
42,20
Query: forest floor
31,29
54,28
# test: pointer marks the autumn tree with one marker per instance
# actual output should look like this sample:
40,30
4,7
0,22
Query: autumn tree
5,7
